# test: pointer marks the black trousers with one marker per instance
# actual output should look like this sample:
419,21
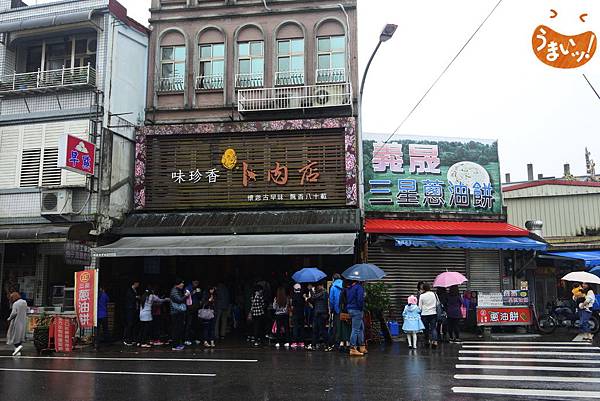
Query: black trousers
319,329
102,327
453,329
131,322
298,335
145,330
177,328
258,325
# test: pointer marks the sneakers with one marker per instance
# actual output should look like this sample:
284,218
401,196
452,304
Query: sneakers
157,343
256,344
328,349
309,347
146,346
178,348
277,345
206,344
300,345
127,344
17,351
294,345
212,344
355,352
286,345
188,343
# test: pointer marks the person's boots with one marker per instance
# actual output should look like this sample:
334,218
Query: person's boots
355,352
363,349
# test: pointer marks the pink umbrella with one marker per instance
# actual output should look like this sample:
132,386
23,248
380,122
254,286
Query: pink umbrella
448,279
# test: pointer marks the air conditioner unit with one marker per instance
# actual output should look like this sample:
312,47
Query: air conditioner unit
288,100
57,201
330,95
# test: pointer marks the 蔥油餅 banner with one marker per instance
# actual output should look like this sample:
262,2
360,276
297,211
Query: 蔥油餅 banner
86,298
430,174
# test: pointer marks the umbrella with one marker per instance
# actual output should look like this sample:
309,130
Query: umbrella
596,271
364,272
583,277
448,279
309,275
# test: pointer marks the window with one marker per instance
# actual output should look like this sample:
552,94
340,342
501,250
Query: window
251,64
290,62
212,66
172,68
331,59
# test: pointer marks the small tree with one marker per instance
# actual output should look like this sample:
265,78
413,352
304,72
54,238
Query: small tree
378,299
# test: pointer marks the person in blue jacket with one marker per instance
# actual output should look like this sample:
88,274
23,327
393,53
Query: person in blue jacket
412,321
337,305
356,304
103,301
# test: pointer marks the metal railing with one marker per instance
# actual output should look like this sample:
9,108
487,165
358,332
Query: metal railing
48,80
210,82
288,78
254,80
331,75
294,97
172,84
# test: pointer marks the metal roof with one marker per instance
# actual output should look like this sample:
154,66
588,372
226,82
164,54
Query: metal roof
423,227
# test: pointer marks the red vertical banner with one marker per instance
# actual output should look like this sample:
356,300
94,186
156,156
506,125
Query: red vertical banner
86,297
63,335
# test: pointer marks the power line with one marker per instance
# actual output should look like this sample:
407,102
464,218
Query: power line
591,86
443,72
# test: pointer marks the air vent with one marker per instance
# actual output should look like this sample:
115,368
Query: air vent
56,202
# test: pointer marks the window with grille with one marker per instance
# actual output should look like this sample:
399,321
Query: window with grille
212,66
331,59
172,68
290,62
251,64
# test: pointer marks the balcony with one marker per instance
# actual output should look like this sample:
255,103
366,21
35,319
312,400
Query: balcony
289,78
47,81
295,97
210,82
331,75
253,80
172,84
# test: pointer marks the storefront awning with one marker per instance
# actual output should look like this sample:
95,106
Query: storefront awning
44,22
424,227
44,233
590,258
284,244
470,242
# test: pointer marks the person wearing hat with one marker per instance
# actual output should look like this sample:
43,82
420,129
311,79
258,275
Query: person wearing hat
412,321
298,305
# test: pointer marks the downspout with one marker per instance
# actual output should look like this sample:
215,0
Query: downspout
266,6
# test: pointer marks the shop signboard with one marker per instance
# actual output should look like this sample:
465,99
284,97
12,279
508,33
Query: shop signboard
63,334
76,155
490,299
505,316
515,297
431,175
86,298
246,171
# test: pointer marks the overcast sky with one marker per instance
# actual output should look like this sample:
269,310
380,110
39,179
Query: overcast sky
496,89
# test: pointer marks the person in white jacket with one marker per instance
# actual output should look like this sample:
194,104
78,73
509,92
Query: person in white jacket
428,305
585,310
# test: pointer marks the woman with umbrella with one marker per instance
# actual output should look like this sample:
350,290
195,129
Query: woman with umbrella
584,305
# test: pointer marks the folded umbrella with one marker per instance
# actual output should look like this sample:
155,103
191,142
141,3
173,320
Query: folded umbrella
364,272
448,279
308,275
582,277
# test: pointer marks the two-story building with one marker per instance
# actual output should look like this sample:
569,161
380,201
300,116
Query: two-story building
247,164
66,67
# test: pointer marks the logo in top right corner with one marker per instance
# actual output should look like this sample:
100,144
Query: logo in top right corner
562,51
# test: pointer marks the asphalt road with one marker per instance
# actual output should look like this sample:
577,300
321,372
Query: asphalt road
473,371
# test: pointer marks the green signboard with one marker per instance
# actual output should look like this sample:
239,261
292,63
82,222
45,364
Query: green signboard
432,175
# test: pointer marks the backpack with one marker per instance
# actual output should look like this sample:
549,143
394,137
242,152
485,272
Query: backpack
596,305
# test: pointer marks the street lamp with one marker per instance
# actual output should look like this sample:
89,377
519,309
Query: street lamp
386,34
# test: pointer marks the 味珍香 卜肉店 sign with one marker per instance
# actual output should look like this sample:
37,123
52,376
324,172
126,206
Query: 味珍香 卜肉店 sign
421,174
257,170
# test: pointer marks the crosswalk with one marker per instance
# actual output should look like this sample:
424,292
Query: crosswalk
528,370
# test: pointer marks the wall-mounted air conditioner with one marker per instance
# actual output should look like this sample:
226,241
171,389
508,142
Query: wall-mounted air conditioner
330,95
56,202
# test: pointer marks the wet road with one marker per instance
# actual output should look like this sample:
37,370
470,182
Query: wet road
472,371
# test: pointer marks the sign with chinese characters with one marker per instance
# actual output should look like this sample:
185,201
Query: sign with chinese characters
246,171
486,299
434,175
86,294
509,316
515,297
76,155
63,334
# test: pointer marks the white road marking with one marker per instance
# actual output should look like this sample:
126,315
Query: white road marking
83,358
521,343
554,379
525,392
500,352
100,372
532,347
540,360
528,368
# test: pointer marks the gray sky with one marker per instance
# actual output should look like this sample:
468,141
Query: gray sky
496,89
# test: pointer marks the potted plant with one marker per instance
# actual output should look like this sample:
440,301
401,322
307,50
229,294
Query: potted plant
41,332
377,304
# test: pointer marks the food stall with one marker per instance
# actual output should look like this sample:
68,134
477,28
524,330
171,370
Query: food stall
501,309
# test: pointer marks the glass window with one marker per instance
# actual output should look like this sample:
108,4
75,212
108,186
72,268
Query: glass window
331,59
212,66
172,68
290,62
251,64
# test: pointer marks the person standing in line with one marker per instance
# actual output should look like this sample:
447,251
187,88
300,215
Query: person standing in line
420,285
257,314
356,303
318,300
191,315
223,311
131,313
178,313
148,301
337,305
412,321
442,321
454,305
281,306
206,313
585,311
17,323
428,305
298,305
103,301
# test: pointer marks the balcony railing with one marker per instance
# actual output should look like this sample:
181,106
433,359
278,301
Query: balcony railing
172,84
255,80
288,78
331,75
210,82
294,97
41,81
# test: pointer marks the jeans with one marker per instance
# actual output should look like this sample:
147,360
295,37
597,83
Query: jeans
357,337
221,323
430,323
453,330
584,320
208,329
298,335
319,330
177,328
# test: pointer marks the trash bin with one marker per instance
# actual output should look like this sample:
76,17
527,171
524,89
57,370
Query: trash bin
394,328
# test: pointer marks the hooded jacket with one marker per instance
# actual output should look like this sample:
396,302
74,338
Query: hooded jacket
319,300
335,294
356,297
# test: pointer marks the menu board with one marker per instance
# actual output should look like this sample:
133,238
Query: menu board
490,299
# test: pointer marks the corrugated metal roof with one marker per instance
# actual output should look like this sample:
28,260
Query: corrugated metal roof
247,222
550,182
380,226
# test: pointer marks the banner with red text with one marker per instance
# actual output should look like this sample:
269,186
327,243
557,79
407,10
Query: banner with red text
86,297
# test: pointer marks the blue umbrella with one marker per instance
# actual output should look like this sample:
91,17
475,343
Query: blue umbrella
596,271
364,272
309,275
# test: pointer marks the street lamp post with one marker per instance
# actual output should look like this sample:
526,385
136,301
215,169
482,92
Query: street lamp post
386,34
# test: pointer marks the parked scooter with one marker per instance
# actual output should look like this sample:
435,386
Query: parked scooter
564,315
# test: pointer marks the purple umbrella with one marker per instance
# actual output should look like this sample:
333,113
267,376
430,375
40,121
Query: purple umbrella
448,279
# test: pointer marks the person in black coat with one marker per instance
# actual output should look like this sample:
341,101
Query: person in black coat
132,304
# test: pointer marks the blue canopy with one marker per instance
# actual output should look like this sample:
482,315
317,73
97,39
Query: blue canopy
468,242
591,258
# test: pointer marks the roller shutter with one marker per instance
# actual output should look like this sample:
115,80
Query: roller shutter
484,271
405,267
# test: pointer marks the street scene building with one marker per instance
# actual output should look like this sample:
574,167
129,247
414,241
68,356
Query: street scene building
73,68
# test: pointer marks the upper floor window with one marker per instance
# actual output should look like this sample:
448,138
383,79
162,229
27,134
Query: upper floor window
212,66
172,68
251,64
290,62
331,53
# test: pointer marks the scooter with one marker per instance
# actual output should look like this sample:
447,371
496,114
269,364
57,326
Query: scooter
563,315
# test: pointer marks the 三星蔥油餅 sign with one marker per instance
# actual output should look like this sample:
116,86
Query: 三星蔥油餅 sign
444,175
